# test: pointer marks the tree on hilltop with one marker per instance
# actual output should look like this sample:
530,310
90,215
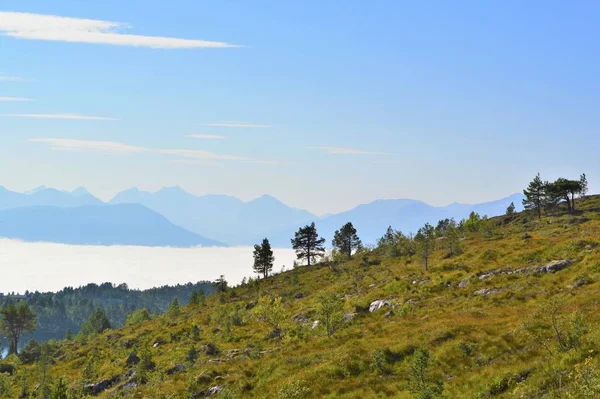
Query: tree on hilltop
263,258
535,196
511,209
307,244
565,190
346,240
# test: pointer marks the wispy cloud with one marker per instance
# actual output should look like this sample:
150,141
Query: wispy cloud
205,137
78,30
201,155
346,151
61,116
196,162
236,124
5,78
122,148
89,145
14,99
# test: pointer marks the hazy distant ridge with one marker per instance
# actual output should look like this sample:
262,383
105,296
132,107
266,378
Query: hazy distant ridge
188,219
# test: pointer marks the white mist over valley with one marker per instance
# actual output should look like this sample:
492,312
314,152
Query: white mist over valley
51,267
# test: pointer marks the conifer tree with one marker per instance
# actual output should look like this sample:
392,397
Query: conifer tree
97,323
221,284
511,209
535,196
16,321
263,258
425,239
346,240
307,244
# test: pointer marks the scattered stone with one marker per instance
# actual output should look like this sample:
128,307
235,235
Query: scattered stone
156,344
133,359
580,281
210,349
372,285
99,387
275,333
178,368
316,324
463,283
300,319
555,266
487,291
132,384
420,281
214,390
389,314
348,317
299,295
378,304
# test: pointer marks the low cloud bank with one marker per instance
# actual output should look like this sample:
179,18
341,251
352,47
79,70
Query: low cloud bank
51,267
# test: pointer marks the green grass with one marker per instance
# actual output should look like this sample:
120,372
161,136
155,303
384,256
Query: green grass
479,344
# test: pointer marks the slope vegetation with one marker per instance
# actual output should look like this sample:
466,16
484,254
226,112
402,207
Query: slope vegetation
515,314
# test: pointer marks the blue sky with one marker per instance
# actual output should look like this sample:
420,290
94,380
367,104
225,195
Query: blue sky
323,104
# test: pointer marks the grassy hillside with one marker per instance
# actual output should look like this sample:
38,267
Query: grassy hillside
531,333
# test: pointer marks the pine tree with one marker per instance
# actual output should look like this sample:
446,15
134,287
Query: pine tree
97,323
307,244
535,195
425,239
263,258
221,284
511,209
173,308
584,185
16,321
346,240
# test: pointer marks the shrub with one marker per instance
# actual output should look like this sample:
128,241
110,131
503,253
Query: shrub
420,383
138,317
293,390
31,352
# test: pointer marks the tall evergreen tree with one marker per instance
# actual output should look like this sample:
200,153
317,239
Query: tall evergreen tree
584,185
535,196
346,240
16,321
425,239
263,258
307,244
511,209
221,284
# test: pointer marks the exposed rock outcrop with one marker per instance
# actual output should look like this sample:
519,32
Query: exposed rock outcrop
378,304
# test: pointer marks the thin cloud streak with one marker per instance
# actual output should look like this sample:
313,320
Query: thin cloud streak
4,78
205,137
15,99
122,148
346,151
29,26
61,116
88,145
236,124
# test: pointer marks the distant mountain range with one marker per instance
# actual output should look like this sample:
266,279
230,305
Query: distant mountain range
224,218
174,217
129,224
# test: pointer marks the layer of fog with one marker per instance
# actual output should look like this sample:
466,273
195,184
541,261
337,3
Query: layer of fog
51,267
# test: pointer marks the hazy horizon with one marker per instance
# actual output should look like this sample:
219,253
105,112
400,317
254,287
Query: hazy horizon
243,100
